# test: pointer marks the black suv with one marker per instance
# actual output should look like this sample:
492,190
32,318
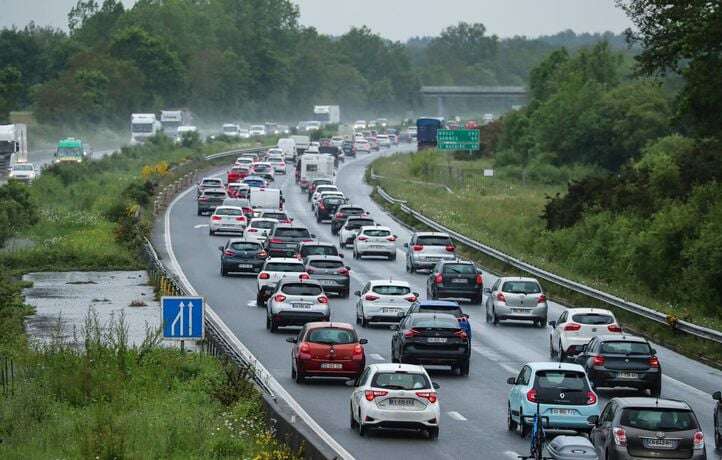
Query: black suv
647,428
343,212
348,149
284,238
717,396
326,207
622,361
455,279
242,256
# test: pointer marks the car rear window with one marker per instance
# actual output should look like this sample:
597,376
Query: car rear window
435,322
521,287
301,289
376,232
466,269
246,246
658,419
358,223
238,169
332,336
319,251
215,194
261,168
212,182
558,379
400,381
456,311
391,290
284,267
292,232
326,263
229,212
275,215
592,318
626,348
348,211
265,224
433,240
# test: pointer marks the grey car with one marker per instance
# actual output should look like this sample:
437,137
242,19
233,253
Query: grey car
518,299
209,199
425,249
330,272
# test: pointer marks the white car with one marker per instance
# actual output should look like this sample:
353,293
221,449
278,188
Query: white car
244,161
576,327
375,241
383,140
362,145
350,229
390,395
231,130
273,271
313,198
359,124
257,130
296,302
23,171
278,163
383,301
275,151
258,229
264,169
337,141
227,219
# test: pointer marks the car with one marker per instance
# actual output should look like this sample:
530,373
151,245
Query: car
327,350
442,306
394,139
348,149
383,300
331,272
283,239
717,396
258,229
362,146
209,199
264,169
316,248
279,164
237,173
395,396
562,392
351,227
343,212
516,298
373,141
425,249
257,130
295,302
25,172
576,326
273,270
253,156
359,125
337,141
238,190
375,241
231,130
622,361
632,428
383,140
314,193
244,161
327,207
431,338
208,182
315,183
456,279
328,194
255,182
227,219
281,216
240,255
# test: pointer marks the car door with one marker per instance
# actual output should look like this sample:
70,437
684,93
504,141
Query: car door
358,391
521,381
600,433
492,295
359,302
557,328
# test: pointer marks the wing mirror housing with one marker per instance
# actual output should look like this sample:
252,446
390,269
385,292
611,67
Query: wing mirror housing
363,341
291,340
511,380
717,396
220,248
435,385
553,324
593,420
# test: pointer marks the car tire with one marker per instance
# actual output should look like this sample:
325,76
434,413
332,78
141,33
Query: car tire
487,315
656,390
717,439
274,326
199,212
364,321
268,322
433,433
318,218
299,378
352,421
259,300
211,232
511,425
494,318
464,368
224,272
562,355
552,353
342,245
476,300
360,426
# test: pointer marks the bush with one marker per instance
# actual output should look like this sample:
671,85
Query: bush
423,163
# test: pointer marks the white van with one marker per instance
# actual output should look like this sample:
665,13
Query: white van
288,146
266,198
315,166
302,143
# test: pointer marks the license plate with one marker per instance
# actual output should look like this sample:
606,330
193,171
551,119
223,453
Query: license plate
459,281
594,329
519,310
327,282
436,339
659,443
375,246
301,305
390,310
628,375
562,411
401,402
331,366
245,266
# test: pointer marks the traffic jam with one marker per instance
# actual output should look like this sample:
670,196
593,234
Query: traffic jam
300,274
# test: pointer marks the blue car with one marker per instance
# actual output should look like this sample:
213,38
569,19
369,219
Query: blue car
255,182
443,306
562,391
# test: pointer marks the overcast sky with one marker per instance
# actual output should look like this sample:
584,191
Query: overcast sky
398,19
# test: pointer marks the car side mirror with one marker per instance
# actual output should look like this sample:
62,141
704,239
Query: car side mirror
593,420
435,385
717,396
291,339
350,383
313,235
511,380
363,341
653,351
487,290
465,316
357,293
395,327
416,294
347,267
220,248
553,324
341,254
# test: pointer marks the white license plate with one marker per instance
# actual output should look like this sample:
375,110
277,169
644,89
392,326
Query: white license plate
436,340
245,266
519,310
562,411
390,310
327,282
659,444
376,246
331,366
301,305
628,375
459,280
401,402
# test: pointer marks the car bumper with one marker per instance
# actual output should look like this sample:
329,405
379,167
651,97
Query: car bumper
312,367
400,419
573,345
610,378
435,356
227,228
419,262
242,266
377,313
504,311
464,293
333,284
298,318
578,421
381,250
621,453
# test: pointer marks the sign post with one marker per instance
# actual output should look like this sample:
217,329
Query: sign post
183,318
457,139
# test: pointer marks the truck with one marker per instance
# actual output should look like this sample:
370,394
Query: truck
426,129
302,143
266,198
170,121
143,126
288,146
13,145
315,166
327,114
72,150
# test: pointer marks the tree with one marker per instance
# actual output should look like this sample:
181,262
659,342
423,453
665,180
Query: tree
10,88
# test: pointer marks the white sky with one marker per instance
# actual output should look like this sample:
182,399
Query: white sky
398,19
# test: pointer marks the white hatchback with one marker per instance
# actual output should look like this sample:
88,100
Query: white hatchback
258,229
383,301
274,270
227,219
375,241
395,396
350,229
576,327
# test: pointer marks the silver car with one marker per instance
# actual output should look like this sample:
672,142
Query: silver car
426,248
227,219
296,302
518,299
331,272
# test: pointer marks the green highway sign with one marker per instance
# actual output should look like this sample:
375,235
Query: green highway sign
457,139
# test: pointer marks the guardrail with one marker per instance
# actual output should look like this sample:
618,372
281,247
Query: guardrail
662,318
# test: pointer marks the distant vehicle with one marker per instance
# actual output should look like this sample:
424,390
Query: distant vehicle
471,124
273,271
576,327
307,126
170,121
362,146
227,219
350,229
337,141
283,129
518,299
244,133
284,238
209,199
255,181
143,126
383,301
72,150
316,248
302,143
347,148
278,163
241,255
271,128
443,306
375,241
24,172
257,130
412,133
330,272
258,229
288,146
237,174
342,213
383,140
267,198
327,114
326,207
264,169
315,166
231,130
488,118
382,122
295,302
425,249
327,350
208,182
13,145
274,213
457,279
184,130
426,129
359,125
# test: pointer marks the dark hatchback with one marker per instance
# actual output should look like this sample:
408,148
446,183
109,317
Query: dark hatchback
347,148
633,428
331,273
315,183
283,240
431,338
455,279
327,207
209,199
343,212
316,248
443,306
242,256
622,361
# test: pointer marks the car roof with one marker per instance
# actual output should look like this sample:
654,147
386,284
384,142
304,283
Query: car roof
456,262
351,206
517,278
432,315
263,219
621,338
238,184
271,210
241,240
214,190
438,303
323,257
651,403
284,260
290,226
554,365
590,310
375,227
391,367
295,280
431,234
359,218
389,282
215,179
320,324
237,208
316,243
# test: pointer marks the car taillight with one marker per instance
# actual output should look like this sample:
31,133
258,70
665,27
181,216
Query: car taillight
410,298
373,394
343,271
304,351
572,327
461,333
241,219
339,215
279,298
620,436
531,395
591,398
202,199
391,238
653,361
358,352
614,328
262,254
322,299
542,298
699,440
253,230
479,280
418,247
412,333
500,297
215,217
438,278
371,297
598,361
428,395
321,205
450,248
362,238
304,276
264,276
229,253
276,241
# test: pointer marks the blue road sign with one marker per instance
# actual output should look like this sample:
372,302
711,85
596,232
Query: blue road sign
182,318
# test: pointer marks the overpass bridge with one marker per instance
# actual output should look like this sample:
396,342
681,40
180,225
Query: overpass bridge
512,95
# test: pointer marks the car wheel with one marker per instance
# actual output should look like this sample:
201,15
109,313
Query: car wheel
510,423
364,321
494,319
352,420
299,377
211,232
360,425
656,390
488,316
223,271
561,353
274,326
199,212
345,293
476,300
717,439
412,269
268,322
542,323
464,368
259,300
392,256
433,433
318,218
342,245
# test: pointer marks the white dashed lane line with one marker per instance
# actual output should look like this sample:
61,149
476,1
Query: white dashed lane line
457,416
377,357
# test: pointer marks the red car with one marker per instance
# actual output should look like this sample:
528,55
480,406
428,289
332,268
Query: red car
236,174
327,349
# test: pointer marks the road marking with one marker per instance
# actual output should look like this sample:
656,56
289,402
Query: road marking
512,454
457,416
200,226
686,386
252,303
377,356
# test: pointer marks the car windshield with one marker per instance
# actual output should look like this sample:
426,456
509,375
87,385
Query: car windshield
434,322
292,233
245,246
212,183
262,224
377,232
391,290
456,311
358,223
332,336
333,200
466,269
301,289
626,348
319,251
283,267
658,419
592,318
433,240
400,381
18,167
521,287
229,212
326,263
558,379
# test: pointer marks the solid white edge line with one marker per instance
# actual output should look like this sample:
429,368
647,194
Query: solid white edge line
278,389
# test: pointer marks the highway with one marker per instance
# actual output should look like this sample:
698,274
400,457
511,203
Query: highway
473,423
44,157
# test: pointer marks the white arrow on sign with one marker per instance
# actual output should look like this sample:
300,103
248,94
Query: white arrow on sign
178,319
190,319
